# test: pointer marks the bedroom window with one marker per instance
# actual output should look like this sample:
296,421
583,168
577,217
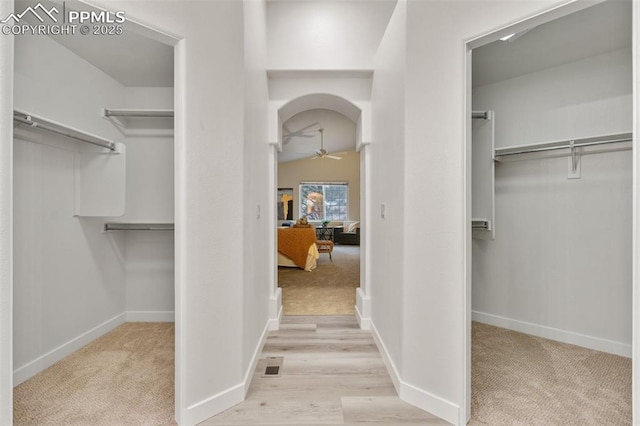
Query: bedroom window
321,201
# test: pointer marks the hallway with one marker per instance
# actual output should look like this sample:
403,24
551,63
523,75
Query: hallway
332,373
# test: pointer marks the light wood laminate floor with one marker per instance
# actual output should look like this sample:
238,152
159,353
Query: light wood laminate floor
332,374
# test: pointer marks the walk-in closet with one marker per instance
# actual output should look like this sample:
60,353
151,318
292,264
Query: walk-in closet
552,221
93,227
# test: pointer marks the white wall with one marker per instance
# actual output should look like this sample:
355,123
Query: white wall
635,391
150,272
326,34
210,181
562,253
435,282
387,187
6,222
291,173
285,88
585,98
257,190
69,275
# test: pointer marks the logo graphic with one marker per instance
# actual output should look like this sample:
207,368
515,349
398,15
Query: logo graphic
69,22
33,11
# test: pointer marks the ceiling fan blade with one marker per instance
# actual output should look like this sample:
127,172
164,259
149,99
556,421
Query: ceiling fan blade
286,138
299,131
333,157
301,134
307,127
315,157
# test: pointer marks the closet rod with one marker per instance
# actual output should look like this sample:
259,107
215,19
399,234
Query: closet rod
139,226
138,113
577,143
80,136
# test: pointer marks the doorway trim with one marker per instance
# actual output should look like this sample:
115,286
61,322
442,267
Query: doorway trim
360,114
489,37
6,202
6,222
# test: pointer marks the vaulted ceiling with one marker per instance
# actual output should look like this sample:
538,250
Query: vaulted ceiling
599,29
135,60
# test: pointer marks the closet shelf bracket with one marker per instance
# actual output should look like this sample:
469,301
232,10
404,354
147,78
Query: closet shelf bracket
139,227
574,161
482,224
481,115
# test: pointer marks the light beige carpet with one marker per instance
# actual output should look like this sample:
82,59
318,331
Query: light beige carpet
330,289
518,379
125,377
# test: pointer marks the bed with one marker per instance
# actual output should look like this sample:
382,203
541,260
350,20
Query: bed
297,248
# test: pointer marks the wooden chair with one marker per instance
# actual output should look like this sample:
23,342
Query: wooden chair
325,246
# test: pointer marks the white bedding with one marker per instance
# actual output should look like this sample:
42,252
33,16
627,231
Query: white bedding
312,258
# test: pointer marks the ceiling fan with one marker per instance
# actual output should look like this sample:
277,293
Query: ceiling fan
322,153
302,133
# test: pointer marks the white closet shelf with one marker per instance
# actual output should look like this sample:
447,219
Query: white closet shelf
36,122
320,73
148,113
138,226
567,144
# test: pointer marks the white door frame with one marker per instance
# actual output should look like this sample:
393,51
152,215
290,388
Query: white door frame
6,221
492,36
6,204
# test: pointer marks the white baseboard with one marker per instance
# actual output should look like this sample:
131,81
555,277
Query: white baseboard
150,316
216,404
275,310
365,323
248,375
363,309
590,342
391,367
413,395
274,323
431,403
39,364
201,411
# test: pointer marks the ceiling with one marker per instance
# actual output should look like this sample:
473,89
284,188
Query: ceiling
599,29
339,134
129,58
135,60
325,34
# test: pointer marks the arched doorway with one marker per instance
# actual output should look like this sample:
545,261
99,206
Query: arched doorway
358,113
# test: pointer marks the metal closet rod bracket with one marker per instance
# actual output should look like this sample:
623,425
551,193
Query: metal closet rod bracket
574,165
481,115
